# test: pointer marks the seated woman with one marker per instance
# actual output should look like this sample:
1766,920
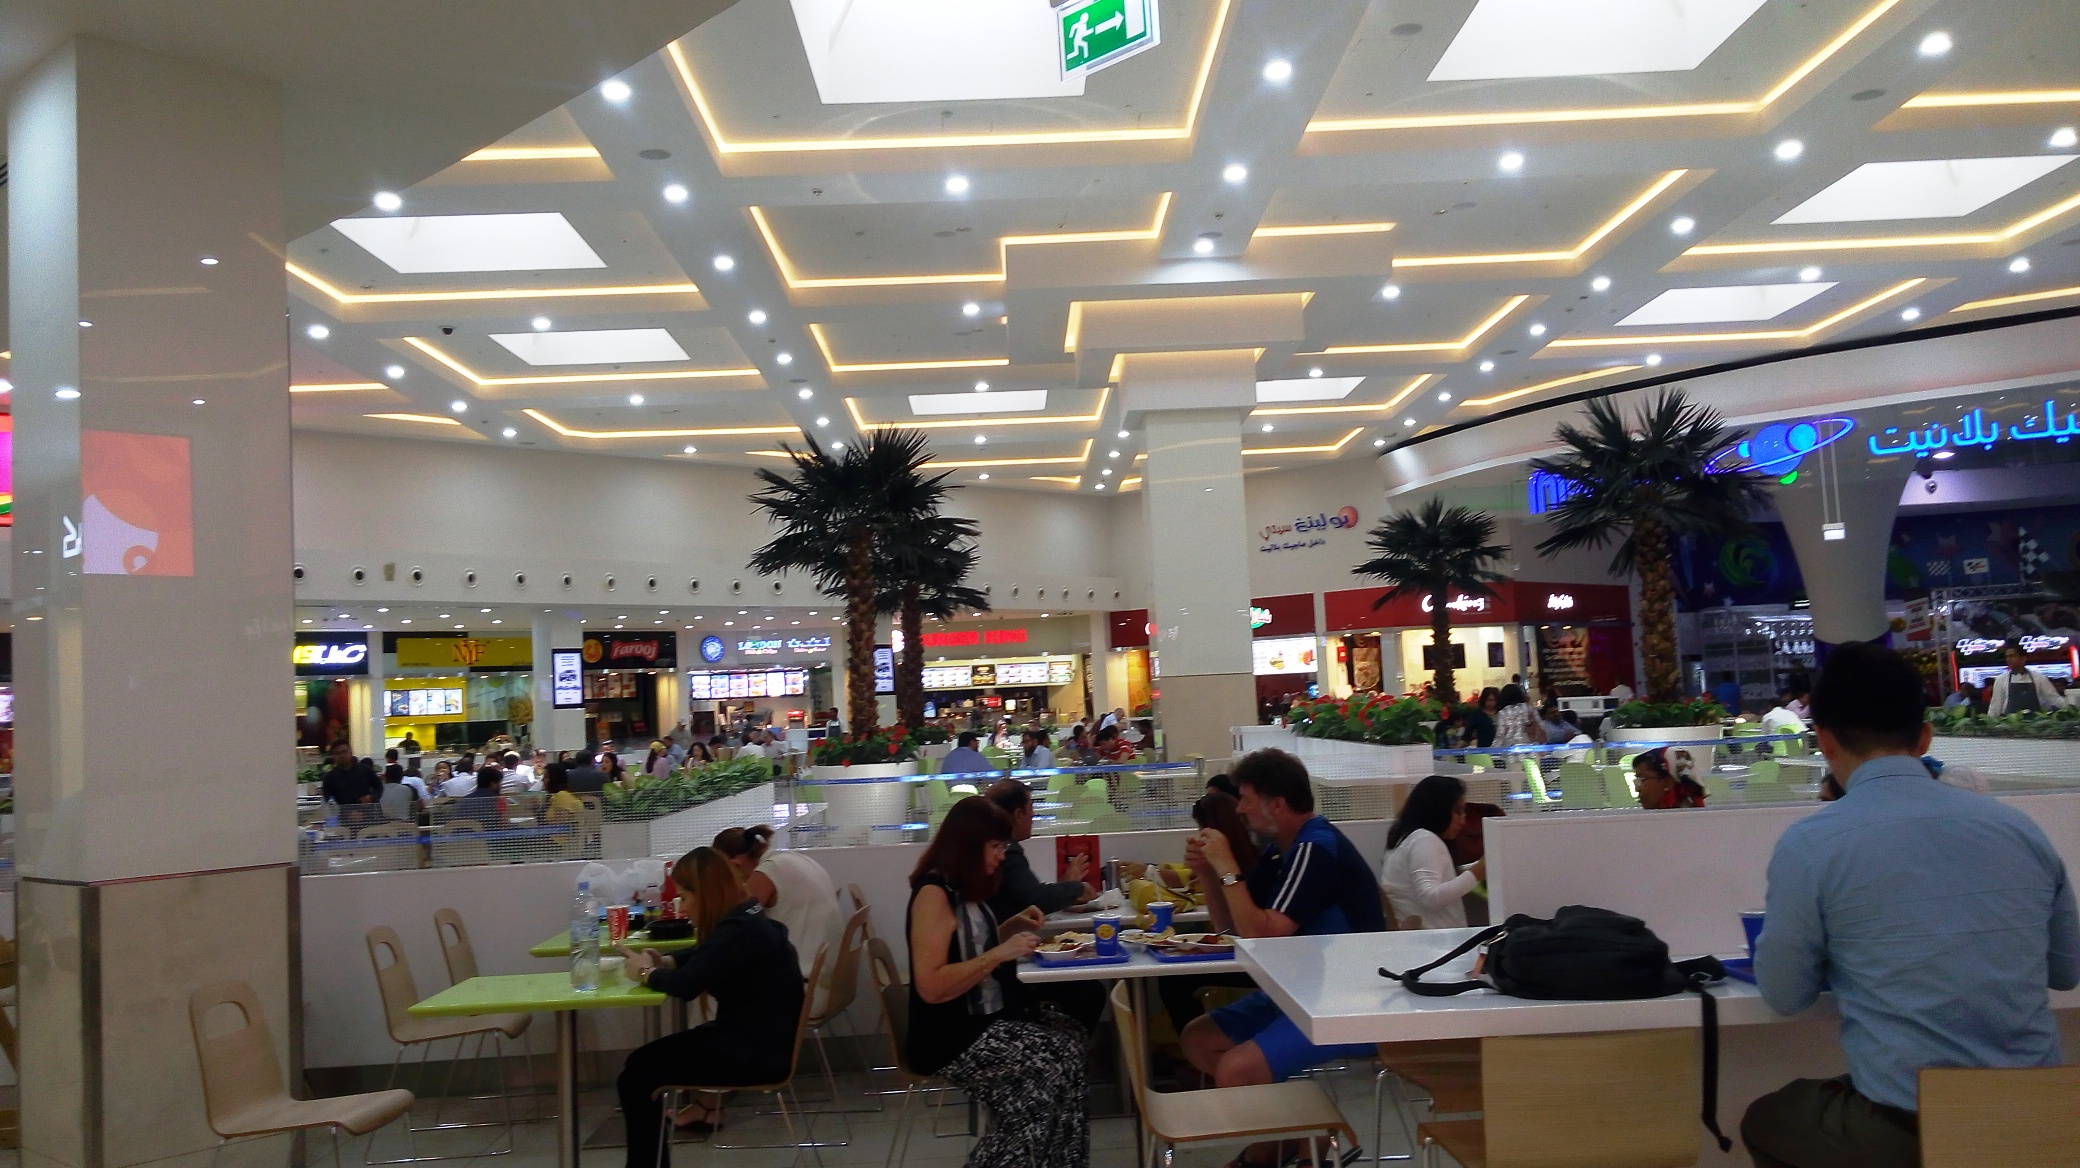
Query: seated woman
1661,789
1424,887
969,1018
744,963
1219,810
563,807
791,887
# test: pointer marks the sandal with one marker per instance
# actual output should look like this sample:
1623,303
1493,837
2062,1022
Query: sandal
708,1123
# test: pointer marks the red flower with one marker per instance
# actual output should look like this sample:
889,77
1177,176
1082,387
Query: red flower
892,748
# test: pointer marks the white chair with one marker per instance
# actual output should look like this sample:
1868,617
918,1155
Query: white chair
400,993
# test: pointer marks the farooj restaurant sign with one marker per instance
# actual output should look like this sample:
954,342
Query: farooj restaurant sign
631,651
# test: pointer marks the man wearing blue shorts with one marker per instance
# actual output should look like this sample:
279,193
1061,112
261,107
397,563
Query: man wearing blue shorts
1310,881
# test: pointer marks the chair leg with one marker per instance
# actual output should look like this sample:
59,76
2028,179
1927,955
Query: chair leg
901,1138
664,1125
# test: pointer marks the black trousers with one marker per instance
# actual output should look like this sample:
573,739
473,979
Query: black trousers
691,1058
1826,1123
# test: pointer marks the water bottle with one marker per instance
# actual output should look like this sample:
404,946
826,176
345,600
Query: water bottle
585,940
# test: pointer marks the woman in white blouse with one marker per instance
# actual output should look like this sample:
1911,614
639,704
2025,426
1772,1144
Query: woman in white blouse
1422,884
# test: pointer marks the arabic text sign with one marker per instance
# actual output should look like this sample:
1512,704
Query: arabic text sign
1098,33
1306,531
1973,429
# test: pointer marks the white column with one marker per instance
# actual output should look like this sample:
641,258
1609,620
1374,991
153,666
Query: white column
152,588
378,672
1107,690
1844,578
555,729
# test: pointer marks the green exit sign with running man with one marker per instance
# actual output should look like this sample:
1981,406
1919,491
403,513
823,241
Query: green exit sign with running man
1098,33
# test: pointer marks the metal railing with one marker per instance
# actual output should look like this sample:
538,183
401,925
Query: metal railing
1066,801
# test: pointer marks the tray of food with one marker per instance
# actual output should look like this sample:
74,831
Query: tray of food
1068,949
1193,947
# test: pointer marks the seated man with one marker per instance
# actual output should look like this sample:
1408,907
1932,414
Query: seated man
1938,917
1309,881
964,759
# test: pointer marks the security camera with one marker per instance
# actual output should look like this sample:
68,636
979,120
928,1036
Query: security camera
447,330
1929,486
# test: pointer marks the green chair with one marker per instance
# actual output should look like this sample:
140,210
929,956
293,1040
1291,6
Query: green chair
1535,781
1483,761
1763,771
1058,788
1765,792
1580,785
1132,783
1717,787
1617,787
1097,791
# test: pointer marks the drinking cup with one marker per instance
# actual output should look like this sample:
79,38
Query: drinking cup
617,924
1163,911
1106,926
1751,923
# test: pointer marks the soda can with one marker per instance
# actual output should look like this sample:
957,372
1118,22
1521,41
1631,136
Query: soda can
1106,926
617,924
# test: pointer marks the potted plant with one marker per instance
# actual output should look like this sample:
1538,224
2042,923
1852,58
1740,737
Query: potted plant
1382,734
2036,742
861,776
1680,720
1434,552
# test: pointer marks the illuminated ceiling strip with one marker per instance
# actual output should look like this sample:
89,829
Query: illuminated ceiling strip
2010,97
344,297
1467,342
1512,395
1771,335
530,153
1389,404
794,279
2024,298
823,343
1132,482
1072,336
1018,461
429,419
1193,106
1074,482
421,344
1971,239
1638,204
1615,113
1340,444
719,432
338,387
1097,414
1320,229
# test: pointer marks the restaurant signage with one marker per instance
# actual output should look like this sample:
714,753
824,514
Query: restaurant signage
330,655
416,652
759,647
1306,531
631,651
1526,601
808,645
963,638
712,649
567,683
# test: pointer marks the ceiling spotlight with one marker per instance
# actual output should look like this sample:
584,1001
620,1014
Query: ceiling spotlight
984,476
1107,472
982,387
725,263
823,421
635,399
1682,225
387,201
1112,454
1278,70
316,332
1653,359
1936,44
86,324
198,402
677,193
1122,433
1235,173
784,357
805,393
688,450
1487,367
1600,284
981,439
956,184
2019,265
1444,396
615,90
1202,246
2063,138
1537,330
1510,163
1789,149
837,446
1101,486
393,372
971,309
1391,292
211,261
1807,275
1408,422
756,316
458,406
1910,314
1379,442
510,432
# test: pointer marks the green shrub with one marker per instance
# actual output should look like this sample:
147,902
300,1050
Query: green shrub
1646,715
1374,718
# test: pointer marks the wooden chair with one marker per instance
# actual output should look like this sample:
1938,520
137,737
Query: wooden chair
674,1095
400,993
1580,1101
243,1094
839,989
1298,1110
402,853
1446,1073
894,995
1975,1117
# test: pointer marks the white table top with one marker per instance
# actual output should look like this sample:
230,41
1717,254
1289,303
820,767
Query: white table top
1331,987
1140,964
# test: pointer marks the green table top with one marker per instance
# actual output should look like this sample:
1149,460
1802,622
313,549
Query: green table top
527,993
560,945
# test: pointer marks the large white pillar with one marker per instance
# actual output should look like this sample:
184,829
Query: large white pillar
152,591
555,729
1191,406
1845,577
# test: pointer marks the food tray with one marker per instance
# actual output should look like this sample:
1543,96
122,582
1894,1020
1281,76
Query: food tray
1057,962
1740,968
1169,957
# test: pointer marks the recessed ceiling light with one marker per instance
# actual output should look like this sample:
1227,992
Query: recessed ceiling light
1537,330
615,90
1910,314
1682,225
784,357
1936,188
1408,421
1725,304
981,439
1944,455
1537,38
198,402
1789,149
387,610
1015,401
1235,173
1107,472
1101,486
541,324
1278,70
1267,430
521,242
971,309
805,393
1936,44
756,316
316,332
1487,367
86,324
677,193
2063,138
982,387
635,399
458,406
387,201
1808,274
510,432
1390,291
1444,396
1600,284
1112,454
2019,265
823,421
1314,371
306,620
1300,389
593,346
211,261
689,450
393,372
837,446
1511,162
956,184
984,476
1379,442
1203,246
724,263
1653,358
1122,433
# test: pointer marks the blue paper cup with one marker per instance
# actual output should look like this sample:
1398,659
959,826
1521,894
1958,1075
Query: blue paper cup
1751,923
1162,911
1106,926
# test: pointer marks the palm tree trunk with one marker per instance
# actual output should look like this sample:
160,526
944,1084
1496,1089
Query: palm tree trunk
1657,617
1441,678
862,717
910,671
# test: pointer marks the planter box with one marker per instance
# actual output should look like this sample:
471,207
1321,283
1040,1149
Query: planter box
2042,758
852,799
680,832
1336,758
1248,738
1664,734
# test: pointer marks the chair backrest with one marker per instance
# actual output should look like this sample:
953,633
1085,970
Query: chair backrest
1763,770
859,901
393,981
455,947
238,1065
1581,785
1096,788
801,1024
1130,1047
1484,761
1978,1117
1589,1100
1617,784
841,986
881,962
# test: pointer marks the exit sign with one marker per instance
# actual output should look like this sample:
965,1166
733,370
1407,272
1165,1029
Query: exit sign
1098,33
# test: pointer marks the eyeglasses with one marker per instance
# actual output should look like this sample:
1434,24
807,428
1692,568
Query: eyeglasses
1000,847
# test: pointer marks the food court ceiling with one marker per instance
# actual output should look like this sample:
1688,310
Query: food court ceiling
756,264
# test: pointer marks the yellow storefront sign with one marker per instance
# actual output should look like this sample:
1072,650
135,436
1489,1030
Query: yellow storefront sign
465,652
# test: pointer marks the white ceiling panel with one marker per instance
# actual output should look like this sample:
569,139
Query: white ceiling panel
1740,302
593,347
1304,389
528,242
1581,38
931,50
1939,188
1009,401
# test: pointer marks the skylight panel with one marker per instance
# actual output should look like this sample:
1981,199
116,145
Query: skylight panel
1738,302
526,242
1939,188
1585,38
594,347
1306,389
863,51
1005,401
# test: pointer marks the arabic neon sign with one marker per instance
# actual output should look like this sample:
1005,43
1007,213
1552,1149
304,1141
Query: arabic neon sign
1974,430
1971,646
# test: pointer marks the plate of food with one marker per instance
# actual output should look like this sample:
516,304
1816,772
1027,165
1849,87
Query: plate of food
1140,936
1075,949
1194,947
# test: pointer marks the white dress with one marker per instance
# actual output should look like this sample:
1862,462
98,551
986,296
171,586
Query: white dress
1423,884
807,903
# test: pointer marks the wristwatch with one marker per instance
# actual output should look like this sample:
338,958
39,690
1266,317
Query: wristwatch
1231,878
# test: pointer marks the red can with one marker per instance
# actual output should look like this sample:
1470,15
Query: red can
617,924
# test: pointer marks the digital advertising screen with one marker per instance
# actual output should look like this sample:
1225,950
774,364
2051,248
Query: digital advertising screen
567,679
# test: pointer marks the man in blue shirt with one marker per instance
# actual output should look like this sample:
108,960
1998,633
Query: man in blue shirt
964,759
1310,881
1937,916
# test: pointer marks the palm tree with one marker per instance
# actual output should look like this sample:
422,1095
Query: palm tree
923,569
1642,482
832,515
1433,552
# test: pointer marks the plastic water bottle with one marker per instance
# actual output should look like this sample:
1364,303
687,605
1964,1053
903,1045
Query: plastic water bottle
585,940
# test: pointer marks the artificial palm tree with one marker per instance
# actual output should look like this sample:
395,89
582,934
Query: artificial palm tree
1642,482
1434,552
923,571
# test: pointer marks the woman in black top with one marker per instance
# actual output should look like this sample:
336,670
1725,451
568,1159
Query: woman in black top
969,1019
745,963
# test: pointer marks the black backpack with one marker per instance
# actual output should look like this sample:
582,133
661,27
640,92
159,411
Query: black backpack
1586,954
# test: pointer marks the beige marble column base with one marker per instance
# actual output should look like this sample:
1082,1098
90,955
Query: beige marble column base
1200,713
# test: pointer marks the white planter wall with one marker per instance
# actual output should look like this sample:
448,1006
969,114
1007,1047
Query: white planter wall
863,805
682,831
2036,758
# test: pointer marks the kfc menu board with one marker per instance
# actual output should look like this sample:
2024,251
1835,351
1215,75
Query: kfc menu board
1058,671
763,683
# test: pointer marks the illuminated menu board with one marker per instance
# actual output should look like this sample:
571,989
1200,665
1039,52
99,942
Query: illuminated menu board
762,683
1056,671
946,677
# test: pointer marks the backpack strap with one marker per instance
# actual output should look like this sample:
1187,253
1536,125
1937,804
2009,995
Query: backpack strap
1708,1005
1411,980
